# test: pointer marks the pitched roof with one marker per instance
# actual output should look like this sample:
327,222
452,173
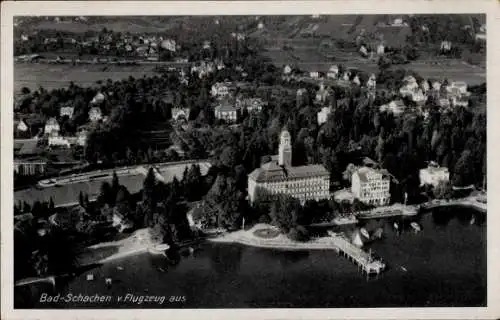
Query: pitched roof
364,172
225,107
272,172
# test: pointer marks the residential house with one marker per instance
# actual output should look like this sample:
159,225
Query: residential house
372,82
250,104
196,218
314,75
380,49
419,97
436,86
433,175
481,36
29,167
226,111
180,113
460,102
220,89
52,127
58,141
22,126
67,111
396,107
398,22
424,85
356,80
371,186
287,70
95,114
99,98
333,72
120,221
323,115
445,46
346,76
444,103
82,137
460,85
322,94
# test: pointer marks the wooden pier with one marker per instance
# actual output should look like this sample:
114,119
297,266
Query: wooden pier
362,259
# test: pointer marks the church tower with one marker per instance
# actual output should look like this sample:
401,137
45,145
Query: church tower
285,149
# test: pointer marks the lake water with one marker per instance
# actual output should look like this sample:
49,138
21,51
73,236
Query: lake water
445,266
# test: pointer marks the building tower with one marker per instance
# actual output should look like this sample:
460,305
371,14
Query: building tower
285,149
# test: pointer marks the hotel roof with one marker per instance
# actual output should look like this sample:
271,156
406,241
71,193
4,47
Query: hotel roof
272,172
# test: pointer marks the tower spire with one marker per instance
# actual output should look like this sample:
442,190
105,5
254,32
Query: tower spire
285,148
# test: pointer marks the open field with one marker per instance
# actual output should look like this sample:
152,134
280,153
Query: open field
51,76
454,70
119,24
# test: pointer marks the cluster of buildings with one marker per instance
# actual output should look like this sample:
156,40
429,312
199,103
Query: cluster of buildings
447,96
369,184
229,107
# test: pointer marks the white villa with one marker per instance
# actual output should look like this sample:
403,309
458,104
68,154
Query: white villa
371,186
333,72
52,126
433,175
95,114
323,115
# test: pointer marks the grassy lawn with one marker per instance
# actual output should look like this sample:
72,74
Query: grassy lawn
266,233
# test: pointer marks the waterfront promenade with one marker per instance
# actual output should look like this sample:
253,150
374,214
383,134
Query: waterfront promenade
336,242
477,202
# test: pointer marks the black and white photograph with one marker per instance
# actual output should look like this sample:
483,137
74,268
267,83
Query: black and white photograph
221,161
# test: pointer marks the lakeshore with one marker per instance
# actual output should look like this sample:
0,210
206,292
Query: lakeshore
242,276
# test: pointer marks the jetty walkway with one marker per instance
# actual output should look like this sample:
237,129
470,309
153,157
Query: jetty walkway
358,256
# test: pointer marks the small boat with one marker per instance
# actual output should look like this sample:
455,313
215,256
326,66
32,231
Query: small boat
404,269
365,233
119,268
357,240
473,220
191,250
396,226
415,226
378,233
90,277
161,269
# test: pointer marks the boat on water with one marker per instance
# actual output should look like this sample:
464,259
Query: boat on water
396,226
378,233
473,220
345,220
119,268
356,240
404,269
365,233
415,226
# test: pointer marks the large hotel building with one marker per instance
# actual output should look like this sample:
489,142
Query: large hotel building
311,182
